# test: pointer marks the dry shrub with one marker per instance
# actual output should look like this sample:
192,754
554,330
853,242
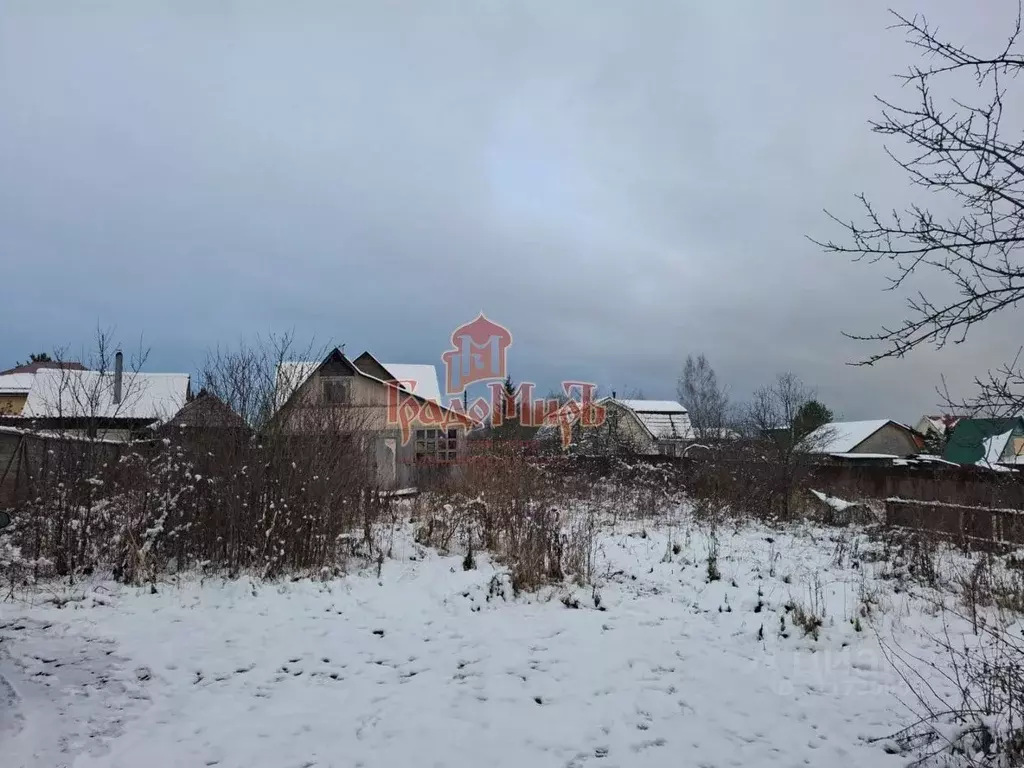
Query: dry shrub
730,482
909,555
248,503
992,581
236,494
806,619
508,502
635,488
983,725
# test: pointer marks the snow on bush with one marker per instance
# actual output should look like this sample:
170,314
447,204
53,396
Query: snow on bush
272,505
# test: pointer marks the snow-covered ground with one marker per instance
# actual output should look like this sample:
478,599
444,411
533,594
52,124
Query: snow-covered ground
430,665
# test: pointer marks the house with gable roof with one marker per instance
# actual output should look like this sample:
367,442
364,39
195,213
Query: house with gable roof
427,441
650,426
118,405
631,426
942,425
16,383
987,442
874,438
204,415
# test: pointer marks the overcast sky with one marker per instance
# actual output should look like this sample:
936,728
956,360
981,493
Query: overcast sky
619,183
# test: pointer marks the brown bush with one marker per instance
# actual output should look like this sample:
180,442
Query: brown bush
508,502
270,504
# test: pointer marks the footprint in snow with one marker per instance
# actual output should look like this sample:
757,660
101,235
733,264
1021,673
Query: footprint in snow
642,745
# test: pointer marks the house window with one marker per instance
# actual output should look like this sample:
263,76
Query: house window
434,445
335,390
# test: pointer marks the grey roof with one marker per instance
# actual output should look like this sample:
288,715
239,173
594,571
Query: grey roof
664,419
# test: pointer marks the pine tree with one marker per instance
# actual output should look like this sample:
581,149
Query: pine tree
36,357
809,417
509,405
934,442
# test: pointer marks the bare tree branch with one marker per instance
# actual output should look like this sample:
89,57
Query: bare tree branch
967,152
705,399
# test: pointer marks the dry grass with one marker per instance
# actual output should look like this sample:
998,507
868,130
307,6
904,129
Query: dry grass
520,509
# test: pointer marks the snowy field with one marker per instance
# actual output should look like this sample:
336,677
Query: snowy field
426,664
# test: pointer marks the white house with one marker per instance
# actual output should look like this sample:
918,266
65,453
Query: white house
115,405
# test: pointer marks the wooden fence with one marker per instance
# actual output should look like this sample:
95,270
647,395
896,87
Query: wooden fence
968,486
967,525
29,458
966,503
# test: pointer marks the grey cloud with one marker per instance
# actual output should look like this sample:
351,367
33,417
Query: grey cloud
620,183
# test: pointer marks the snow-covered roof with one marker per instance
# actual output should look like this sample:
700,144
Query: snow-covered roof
928,458
664,419
292,374
716,433
994,448
16,383
419,379
667,426
652,406
842,436
78,394
56,434
864,456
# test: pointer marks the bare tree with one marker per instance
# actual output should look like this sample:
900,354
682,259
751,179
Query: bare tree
706,400
88,403
962,143
772,421
255,379
958,146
